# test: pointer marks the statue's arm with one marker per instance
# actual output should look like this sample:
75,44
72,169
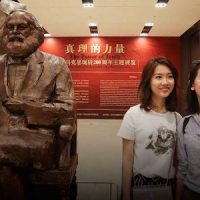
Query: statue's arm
60,109
56,111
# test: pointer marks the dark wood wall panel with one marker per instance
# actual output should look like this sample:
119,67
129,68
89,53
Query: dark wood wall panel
190,50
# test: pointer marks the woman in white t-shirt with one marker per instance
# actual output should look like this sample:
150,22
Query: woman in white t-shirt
148,130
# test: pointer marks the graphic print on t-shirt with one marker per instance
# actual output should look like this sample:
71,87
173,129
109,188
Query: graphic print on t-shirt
161,141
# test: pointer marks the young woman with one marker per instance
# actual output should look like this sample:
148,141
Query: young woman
148,129
188,148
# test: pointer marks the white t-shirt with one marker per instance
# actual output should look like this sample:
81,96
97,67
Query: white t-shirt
154,135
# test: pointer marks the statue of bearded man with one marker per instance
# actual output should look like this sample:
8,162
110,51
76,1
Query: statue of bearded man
22,34
6,6
37,98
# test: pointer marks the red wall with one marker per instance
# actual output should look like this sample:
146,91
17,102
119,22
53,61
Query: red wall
106,79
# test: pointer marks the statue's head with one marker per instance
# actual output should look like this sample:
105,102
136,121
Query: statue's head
22,34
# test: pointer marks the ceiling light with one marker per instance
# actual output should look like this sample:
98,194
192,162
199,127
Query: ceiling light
149,24
94,34
92,24
143,34
87,3
93,29
47,35
161,3
147,27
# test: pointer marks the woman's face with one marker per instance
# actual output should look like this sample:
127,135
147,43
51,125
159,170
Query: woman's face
196,85
162,82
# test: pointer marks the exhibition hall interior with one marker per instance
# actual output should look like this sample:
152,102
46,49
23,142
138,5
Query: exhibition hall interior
105,45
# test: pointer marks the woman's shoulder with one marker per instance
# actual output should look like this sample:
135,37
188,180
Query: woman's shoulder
183,122
135,109
135,112
178,116
187,118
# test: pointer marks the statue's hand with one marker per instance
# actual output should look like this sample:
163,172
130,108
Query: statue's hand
14,105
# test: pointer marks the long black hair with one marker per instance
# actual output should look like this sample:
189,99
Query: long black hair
192,100
145,92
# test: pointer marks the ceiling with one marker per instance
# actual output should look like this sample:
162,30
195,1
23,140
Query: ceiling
68,18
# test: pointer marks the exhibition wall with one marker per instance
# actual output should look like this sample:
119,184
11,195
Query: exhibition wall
106,72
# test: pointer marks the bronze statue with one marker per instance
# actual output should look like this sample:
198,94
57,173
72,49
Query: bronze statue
36,97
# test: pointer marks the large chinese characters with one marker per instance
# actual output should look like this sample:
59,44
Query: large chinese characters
105,76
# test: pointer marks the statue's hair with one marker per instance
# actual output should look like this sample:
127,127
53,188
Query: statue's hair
31,18
34,24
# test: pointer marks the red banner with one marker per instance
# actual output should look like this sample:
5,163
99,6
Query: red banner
106,71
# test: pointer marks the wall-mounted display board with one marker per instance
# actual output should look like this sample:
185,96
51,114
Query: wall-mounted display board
106,71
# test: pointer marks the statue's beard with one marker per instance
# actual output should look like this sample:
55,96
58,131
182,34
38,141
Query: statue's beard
19,46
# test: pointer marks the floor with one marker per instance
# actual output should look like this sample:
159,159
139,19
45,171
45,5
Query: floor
85,191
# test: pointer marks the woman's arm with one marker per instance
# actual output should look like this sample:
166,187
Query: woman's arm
182,159
127,168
